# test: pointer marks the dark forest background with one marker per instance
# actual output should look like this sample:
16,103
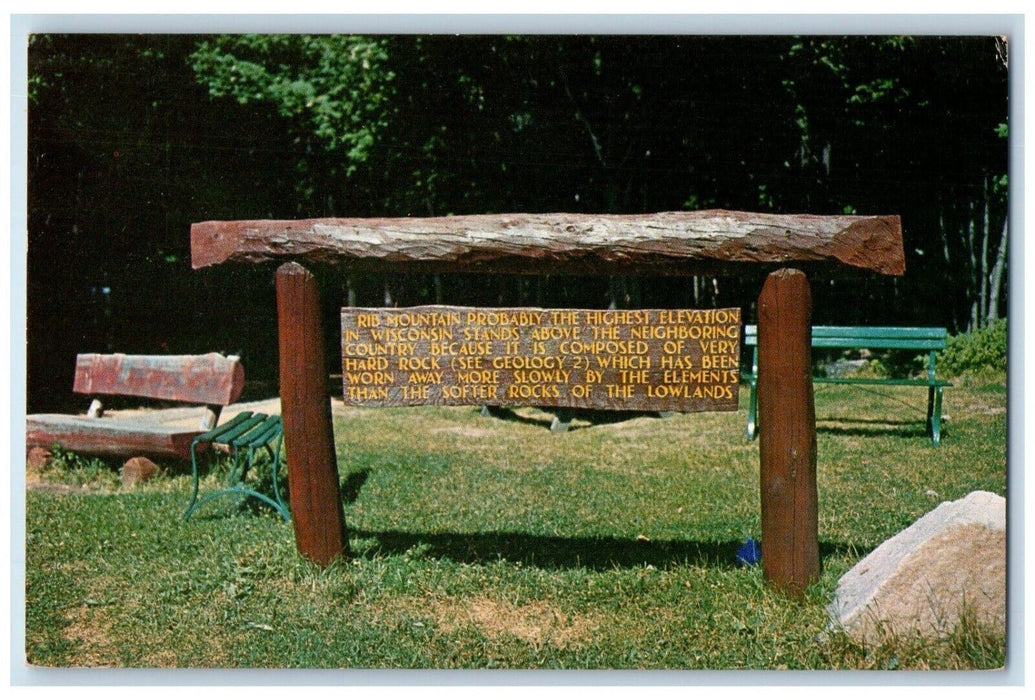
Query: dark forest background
134,137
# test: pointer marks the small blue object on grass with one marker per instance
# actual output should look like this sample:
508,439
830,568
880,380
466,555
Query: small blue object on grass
749,553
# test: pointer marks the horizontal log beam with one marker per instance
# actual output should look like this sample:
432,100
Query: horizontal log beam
670,243
107,437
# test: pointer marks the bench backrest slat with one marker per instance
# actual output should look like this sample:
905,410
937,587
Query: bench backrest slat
876,337
201,379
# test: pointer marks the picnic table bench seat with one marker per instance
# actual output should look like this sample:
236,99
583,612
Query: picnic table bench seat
209,381
926,339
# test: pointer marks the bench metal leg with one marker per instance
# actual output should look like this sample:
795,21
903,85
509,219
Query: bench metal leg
241,491
281,507
235,483
193,503
240,472
934,414
237,473
752,426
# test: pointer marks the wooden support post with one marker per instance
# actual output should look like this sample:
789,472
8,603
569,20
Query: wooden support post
787,446
316,505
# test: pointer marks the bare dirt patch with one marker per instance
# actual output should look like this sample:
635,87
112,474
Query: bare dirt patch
538,623
63,489
88,630
467,431
36,481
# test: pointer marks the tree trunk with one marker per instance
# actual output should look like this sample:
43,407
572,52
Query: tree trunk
984,274
996,282
975,280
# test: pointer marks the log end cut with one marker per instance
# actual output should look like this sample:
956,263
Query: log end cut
873,243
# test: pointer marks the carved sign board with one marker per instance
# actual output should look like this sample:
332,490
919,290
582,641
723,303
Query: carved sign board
644,359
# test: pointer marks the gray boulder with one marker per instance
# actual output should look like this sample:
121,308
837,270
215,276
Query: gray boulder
950,561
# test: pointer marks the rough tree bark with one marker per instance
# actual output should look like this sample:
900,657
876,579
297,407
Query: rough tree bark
672,243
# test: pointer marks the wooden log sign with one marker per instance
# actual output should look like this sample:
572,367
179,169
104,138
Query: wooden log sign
643,359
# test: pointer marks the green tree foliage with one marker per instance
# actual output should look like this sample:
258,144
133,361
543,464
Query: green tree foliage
125,151
980,351
335,90
914,125
475,124
132,138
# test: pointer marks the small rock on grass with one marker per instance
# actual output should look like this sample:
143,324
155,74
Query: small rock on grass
138,470
38,459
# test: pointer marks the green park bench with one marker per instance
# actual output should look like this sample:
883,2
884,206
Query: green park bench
245,436
863,337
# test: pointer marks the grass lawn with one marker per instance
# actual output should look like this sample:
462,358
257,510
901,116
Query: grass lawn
492,543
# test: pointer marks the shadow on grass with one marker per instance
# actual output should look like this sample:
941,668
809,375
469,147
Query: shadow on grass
505,414
550,552
352,484
593,417
861,427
